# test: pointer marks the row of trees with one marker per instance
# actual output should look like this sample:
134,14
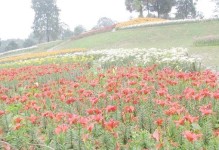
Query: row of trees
184,8
47,25
217,8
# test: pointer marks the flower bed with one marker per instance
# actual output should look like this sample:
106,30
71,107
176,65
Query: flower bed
167,22
177,58
138,21
93,32
73,106
39,55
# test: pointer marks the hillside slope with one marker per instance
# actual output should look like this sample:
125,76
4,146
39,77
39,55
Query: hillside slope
178,35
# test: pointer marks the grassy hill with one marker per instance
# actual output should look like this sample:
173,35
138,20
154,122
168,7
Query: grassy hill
166,36
178,35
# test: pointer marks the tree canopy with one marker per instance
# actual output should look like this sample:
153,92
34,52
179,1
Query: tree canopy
46,21
162,7
185,9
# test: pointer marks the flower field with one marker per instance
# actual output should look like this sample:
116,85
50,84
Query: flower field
38,55
115,99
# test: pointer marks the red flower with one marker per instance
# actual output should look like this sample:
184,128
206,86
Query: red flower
206,109
18,120
61,129
162,92
110,125
17,126
111,108
190,136
156,135
93,111
70,100
98,118
191,119
129,109
73,119
33,119
180,122
216,132
2,112
216,95
90,127
4,97
159,121
171,111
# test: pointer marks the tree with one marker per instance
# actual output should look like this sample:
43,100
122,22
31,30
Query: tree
216,8
104,22
163,7
185,9
11,46
65,31
135,5
28,43
46,21
79,30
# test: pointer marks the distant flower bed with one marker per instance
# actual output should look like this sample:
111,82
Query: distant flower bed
210,40
39,55
160,23
93,32
177,58
138,21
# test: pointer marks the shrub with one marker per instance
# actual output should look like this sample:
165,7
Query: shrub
210,40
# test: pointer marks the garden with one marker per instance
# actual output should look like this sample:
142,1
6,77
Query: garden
115,99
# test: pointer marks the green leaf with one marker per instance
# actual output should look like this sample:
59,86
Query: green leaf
196,126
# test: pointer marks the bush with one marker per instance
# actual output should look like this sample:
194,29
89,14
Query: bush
211,40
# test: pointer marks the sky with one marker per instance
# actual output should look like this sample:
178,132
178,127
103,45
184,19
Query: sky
16,16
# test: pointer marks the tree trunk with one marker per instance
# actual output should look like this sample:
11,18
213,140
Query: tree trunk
148,7
141,12
158,9
47,30
186,11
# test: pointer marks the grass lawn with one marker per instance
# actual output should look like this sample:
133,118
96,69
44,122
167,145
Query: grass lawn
40,48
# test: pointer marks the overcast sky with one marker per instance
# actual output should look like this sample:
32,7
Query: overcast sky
16,16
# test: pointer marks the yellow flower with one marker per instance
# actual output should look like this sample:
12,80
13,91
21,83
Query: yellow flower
138,21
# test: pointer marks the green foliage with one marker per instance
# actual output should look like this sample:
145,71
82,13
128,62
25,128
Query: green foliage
185,9
216,8
211,40
104,22
46,21
135,5
28,43
141,139
79,30
163,7
65,31
11,46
